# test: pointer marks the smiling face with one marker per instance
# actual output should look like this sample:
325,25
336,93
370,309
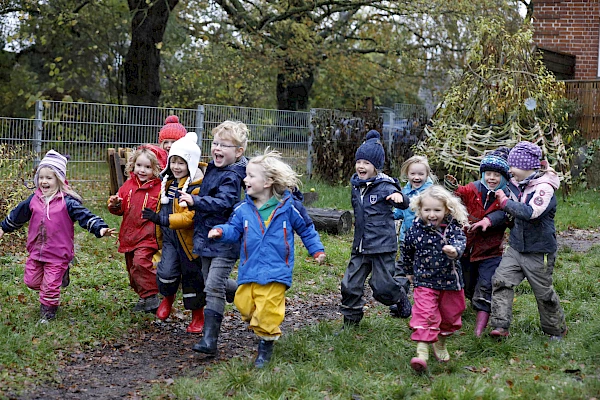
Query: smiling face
224,151
47,182
143,168
417,175
166,144
520,174
492,179
257,185
365,169
432,211
178,167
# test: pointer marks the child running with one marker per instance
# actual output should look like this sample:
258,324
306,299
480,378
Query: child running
485,232
265,223
137,236
51,211
374,248
219,193
532,250
178,264
417,173
171,132
432,247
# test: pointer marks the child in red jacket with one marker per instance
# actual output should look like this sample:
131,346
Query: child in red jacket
137,236
485,232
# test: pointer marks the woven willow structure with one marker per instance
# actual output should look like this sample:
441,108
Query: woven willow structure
504,95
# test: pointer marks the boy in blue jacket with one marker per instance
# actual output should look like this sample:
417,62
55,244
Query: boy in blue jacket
265,223
374,195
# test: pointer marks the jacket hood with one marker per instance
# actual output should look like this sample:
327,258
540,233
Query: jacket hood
548,177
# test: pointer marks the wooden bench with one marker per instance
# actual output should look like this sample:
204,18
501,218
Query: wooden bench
117,160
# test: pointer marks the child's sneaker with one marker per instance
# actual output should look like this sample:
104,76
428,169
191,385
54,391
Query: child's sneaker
558,338
419,363
499,332
439,349
140,305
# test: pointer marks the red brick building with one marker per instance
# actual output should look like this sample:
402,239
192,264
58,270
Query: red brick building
567,28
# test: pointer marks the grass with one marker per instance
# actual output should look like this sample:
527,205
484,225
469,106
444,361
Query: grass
371,362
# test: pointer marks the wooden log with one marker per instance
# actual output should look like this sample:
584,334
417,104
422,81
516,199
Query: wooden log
331,220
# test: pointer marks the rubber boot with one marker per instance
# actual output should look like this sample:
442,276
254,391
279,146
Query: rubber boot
164,310
212,327
439,349
481,322
66,279
197,323
265,351
419,363
230,289
47,312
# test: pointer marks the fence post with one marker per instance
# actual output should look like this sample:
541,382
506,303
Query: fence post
37,133
200,124
311,129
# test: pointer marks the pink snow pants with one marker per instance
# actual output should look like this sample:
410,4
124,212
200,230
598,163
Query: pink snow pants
45,277
436,312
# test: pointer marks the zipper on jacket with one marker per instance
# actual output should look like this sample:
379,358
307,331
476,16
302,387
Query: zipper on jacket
245,239
287,245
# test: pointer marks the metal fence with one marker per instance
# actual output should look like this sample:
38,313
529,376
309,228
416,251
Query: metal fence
85,131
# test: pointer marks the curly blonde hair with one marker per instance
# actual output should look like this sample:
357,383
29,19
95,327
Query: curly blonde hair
416,160
149,154
235,131
283,176
453,204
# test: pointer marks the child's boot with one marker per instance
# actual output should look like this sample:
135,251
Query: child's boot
230,289
151,304
164,309
419,363
140,305
66,279
265,351
47,312
499,332
481,322
197,323
439,349
212,327
403,308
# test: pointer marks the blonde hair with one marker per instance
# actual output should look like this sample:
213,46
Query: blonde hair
283,176
235,131
415,160
452,203
148,153
63,187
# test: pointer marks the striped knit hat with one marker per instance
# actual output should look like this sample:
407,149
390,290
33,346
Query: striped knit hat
496,161
56,162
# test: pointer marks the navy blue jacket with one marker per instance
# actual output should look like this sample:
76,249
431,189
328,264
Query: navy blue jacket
219,193
374,225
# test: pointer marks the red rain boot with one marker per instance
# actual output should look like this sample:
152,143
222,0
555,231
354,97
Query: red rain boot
197,323
481,322
164,309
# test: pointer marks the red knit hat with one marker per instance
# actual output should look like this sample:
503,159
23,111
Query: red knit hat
172,130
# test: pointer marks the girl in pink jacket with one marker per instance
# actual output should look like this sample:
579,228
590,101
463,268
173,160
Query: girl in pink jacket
51,212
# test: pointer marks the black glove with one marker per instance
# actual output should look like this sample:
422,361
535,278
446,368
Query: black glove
153,216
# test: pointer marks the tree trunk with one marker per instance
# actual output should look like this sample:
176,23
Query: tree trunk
331,220
142,62
292,94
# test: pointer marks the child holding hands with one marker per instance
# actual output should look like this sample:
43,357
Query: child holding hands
265,223
431,248
137,236
374,248
51,212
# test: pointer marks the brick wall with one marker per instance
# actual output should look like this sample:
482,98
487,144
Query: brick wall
570,26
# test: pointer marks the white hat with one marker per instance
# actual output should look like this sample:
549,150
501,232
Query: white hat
186,148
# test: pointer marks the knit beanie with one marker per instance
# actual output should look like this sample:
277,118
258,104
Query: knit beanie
526,156
56,162
496,161
159,152
172,130
372,150
186,148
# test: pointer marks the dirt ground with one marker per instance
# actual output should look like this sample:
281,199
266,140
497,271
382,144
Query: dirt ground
127,367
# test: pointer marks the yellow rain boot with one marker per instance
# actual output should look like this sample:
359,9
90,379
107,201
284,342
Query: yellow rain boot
419,363
439,349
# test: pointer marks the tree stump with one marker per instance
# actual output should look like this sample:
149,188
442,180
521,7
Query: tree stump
331,220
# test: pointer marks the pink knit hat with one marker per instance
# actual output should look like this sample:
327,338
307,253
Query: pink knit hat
56,162
172,130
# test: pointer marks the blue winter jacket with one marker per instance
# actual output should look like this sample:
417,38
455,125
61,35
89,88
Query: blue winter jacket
219,193
407,215
374,226
267,253
422,253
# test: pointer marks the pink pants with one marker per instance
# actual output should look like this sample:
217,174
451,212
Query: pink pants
45,277
436,312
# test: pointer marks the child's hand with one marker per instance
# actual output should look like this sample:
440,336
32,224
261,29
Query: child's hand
450,251
1,232
501,196
319,257
483,224
396,197
215,233
183,196
410,278
450,182
107,231
114,201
